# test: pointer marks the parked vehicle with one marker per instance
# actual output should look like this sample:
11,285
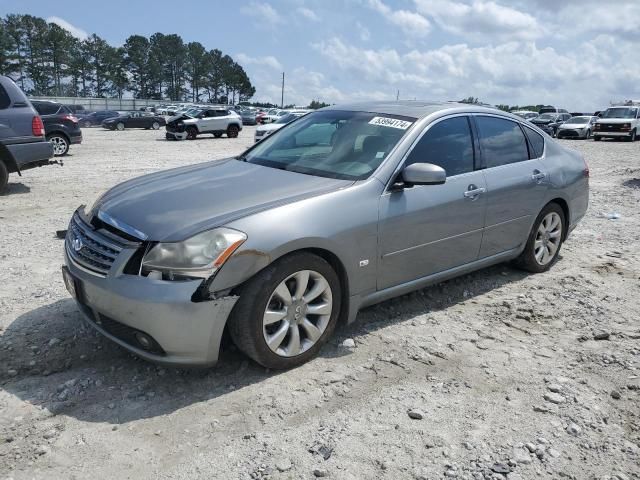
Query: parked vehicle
549,122
217,121
272,117
526,114
618,122
343,208
134,120
550,109
60,126
264,131
76,109
248,117
96,118
22,138
577,127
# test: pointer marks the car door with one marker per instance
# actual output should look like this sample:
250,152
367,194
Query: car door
432,228
207,123
517,181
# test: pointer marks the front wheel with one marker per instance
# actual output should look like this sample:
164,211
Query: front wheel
60,144
545,240
4,176
155,125
632,138
192,133
287,311
120,126
232,131
587,135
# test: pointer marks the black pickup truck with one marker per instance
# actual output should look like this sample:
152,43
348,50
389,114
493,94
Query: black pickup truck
22,139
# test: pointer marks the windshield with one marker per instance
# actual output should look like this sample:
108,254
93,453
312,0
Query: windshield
579,120
287,118
547,116
335,144
620,113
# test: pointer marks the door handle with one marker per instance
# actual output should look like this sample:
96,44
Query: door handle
474,191
538,176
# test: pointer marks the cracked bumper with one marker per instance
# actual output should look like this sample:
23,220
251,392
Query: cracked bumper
120,306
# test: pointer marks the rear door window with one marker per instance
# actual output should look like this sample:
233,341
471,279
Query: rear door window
46,108
502,141
5,100
447,144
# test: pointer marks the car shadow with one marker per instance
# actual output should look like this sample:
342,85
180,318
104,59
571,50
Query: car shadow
50,358
16,188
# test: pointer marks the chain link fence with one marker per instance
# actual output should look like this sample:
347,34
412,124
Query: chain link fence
94,104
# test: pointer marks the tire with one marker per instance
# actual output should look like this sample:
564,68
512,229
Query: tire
192,133
233,131
60,144
247,320
528,259
587,135
4,177
217,135
120,126
155,125
632,138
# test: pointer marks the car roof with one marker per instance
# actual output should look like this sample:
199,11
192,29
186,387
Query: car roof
416,109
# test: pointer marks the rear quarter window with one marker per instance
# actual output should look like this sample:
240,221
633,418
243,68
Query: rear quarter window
536,143
5,101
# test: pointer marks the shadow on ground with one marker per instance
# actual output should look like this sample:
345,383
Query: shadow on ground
15,188
50,358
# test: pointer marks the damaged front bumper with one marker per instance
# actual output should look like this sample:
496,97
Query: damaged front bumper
157,320
176,135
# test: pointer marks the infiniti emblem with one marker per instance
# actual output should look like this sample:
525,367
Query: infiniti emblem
77,244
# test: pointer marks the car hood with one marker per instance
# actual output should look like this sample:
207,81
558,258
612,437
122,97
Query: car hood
175,204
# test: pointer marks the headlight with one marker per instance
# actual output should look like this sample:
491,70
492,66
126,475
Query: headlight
198,256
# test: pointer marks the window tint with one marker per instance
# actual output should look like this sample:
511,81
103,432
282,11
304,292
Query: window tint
536,142
5,101
46,108
447,144
502,141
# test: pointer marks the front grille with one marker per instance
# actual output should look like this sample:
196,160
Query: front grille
89,248
568,133
611,127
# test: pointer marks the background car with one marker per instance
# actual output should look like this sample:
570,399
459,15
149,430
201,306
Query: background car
60,126
549,122
621,121
577,127
76,109
22,141
96,118
526,114
134,120
248,117
264,131
215,120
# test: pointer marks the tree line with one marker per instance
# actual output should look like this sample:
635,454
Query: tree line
45,59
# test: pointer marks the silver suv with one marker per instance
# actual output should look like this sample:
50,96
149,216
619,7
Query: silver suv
215,120
618,122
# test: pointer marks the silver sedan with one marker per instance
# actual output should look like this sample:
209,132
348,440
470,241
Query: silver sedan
343,208
577,127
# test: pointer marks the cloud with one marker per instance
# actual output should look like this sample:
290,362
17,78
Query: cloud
72,29
267,61
480,18
262,12
363,32
308,14
413,24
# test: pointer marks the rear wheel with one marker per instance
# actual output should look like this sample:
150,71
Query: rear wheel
192,133
155,125
4,176
232,131
545,240
60,144
287,311
120,126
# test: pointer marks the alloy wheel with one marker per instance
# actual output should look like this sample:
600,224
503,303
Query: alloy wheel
59,145
155,125
120,126
548,238
297,313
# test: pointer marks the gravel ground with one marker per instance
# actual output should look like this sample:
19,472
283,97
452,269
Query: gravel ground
494,375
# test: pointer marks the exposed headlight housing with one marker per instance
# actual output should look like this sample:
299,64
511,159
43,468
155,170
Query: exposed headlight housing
199,256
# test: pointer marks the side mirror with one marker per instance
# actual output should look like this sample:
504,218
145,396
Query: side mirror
424,174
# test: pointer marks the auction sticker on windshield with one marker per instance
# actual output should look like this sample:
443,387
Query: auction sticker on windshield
390,122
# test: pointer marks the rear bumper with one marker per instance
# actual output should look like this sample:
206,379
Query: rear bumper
185,333
32,152
75,137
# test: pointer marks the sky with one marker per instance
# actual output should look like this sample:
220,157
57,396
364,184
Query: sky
574,54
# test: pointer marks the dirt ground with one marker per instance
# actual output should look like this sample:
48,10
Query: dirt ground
511,375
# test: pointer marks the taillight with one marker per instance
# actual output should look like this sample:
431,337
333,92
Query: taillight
37,127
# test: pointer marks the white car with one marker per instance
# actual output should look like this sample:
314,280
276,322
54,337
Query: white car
214,120
263,131
618,122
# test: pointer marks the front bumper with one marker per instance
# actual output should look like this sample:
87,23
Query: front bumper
571,133
176,135
119,306
600,133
